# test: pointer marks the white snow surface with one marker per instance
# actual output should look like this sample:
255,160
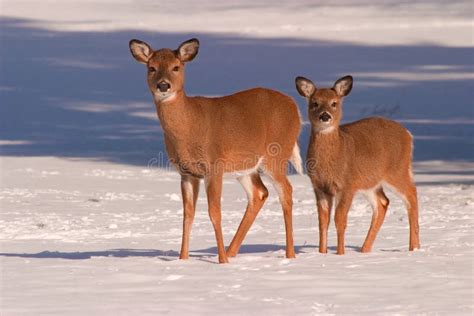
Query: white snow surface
447,23
87,237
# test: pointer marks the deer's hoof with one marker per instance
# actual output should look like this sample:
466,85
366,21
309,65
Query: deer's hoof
223,260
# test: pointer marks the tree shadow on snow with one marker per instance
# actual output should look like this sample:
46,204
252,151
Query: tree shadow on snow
80,94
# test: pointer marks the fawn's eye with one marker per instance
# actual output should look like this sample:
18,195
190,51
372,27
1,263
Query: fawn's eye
151,69
334,104
314,105
176,68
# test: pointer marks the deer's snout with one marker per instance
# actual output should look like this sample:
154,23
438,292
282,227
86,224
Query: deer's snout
163,86
325,117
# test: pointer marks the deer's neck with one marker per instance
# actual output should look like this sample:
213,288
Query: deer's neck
328,147
175,115
328,159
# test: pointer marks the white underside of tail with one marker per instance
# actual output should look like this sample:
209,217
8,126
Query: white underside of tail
296,160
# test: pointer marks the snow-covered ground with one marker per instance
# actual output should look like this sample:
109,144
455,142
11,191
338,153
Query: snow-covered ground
370,22
84,237
91,224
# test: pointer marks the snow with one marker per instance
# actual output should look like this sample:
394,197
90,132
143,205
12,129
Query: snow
73,242
372,22
91,214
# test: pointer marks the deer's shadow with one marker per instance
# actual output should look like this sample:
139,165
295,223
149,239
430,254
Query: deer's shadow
164,255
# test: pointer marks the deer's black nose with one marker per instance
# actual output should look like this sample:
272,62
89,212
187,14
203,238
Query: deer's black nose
163,86
325,117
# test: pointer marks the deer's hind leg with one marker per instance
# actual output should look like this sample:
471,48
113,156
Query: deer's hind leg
257,193
412,208
379,203
276,170
406,189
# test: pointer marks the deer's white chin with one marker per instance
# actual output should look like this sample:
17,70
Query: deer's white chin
324,128
164,96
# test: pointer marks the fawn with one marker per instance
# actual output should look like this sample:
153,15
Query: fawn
247,133
359,156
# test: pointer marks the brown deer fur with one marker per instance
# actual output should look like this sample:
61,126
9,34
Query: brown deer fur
359,156
247,133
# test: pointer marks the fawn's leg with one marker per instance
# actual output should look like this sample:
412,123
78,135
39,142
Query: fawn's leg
342,208
324,203
257,193
411,202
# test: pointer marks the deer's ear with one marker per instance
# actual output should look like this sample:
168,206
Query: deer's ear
188,50
140,50
305,86
343,86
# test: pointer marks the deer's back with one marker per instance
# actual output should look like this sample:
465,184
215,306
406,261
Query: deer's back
242,126
381,147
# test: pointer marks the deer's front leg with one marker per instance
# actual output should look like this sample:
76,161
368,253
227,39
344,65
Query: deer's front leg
214,191
324,204
342,208
190,192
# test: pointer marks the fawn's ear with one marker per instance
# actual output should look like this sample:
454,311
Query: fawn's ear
140,50
188,50
343,86
305,86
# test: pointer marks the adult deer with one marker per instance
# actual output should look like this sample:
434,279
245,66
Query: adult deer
247,133
359,156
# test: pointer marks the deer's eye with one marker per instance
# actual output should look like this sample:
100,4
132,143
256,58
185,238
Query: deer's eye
334,104
151,69
176,68
314,105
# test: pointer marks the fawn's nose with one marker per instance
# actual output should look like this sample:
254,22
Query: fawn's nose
163,86
325,117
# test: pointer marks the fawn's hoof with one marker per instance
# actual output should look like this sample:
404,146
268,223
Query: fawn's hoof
290,255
